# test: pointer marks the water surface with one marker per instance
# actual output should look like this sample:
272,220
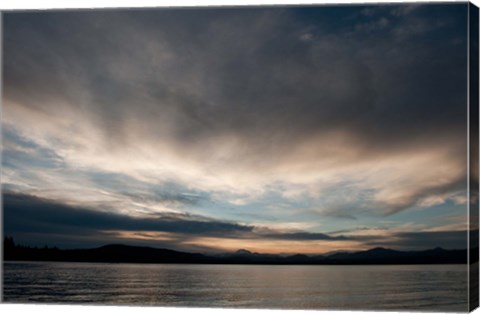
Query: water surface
398,287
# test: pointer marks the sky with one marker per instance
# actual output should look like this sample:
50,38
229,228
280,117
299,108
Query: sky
305,129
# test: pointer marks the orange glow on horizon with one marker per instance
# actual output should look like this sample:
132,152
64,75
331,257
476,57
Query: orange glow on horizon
271,246
259,245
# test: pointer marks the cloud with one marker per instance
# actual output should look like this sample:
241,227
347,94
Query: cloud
176,111
304,236
406,237
27,214
373,26
405,9
424,240
31,219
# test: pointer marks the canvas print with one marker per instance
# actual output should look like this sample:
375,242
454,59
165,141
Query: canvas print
282,157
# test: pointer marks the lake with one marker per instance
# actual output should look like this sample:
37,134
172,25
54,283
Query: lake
392,287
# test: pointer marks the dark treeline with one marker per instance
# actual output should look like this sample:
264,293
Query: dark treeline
118,253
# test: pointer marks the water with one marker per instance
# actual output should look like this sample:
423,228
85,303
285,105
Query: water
405,287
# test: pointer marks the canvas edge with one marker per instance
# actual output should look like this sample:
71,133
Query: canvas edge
1,154
473,131
473,146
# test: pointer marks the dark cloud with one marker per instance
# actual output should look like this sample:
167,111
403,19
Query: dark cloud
304,236
406,240
242,71
424,240
25,214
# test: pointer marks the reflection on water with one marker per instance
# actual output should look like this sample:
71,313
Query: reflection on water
422,287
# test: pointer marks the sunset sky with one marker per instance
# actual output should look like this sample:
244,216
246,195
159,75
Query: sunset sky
276,129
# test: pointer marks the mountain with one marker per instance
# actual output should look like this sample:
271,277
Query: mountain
119,253
113,253
381,255
376,253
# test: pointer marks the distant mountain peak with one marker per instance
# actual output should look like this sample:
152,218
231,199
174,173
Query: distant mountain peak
379,249
114,245
243,252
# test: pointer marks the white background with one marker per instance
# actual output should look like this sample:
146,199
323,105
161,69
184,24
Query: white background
49,4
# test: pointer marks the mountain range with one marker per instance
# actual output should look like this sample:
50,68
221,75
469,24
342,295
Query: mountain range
119,253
